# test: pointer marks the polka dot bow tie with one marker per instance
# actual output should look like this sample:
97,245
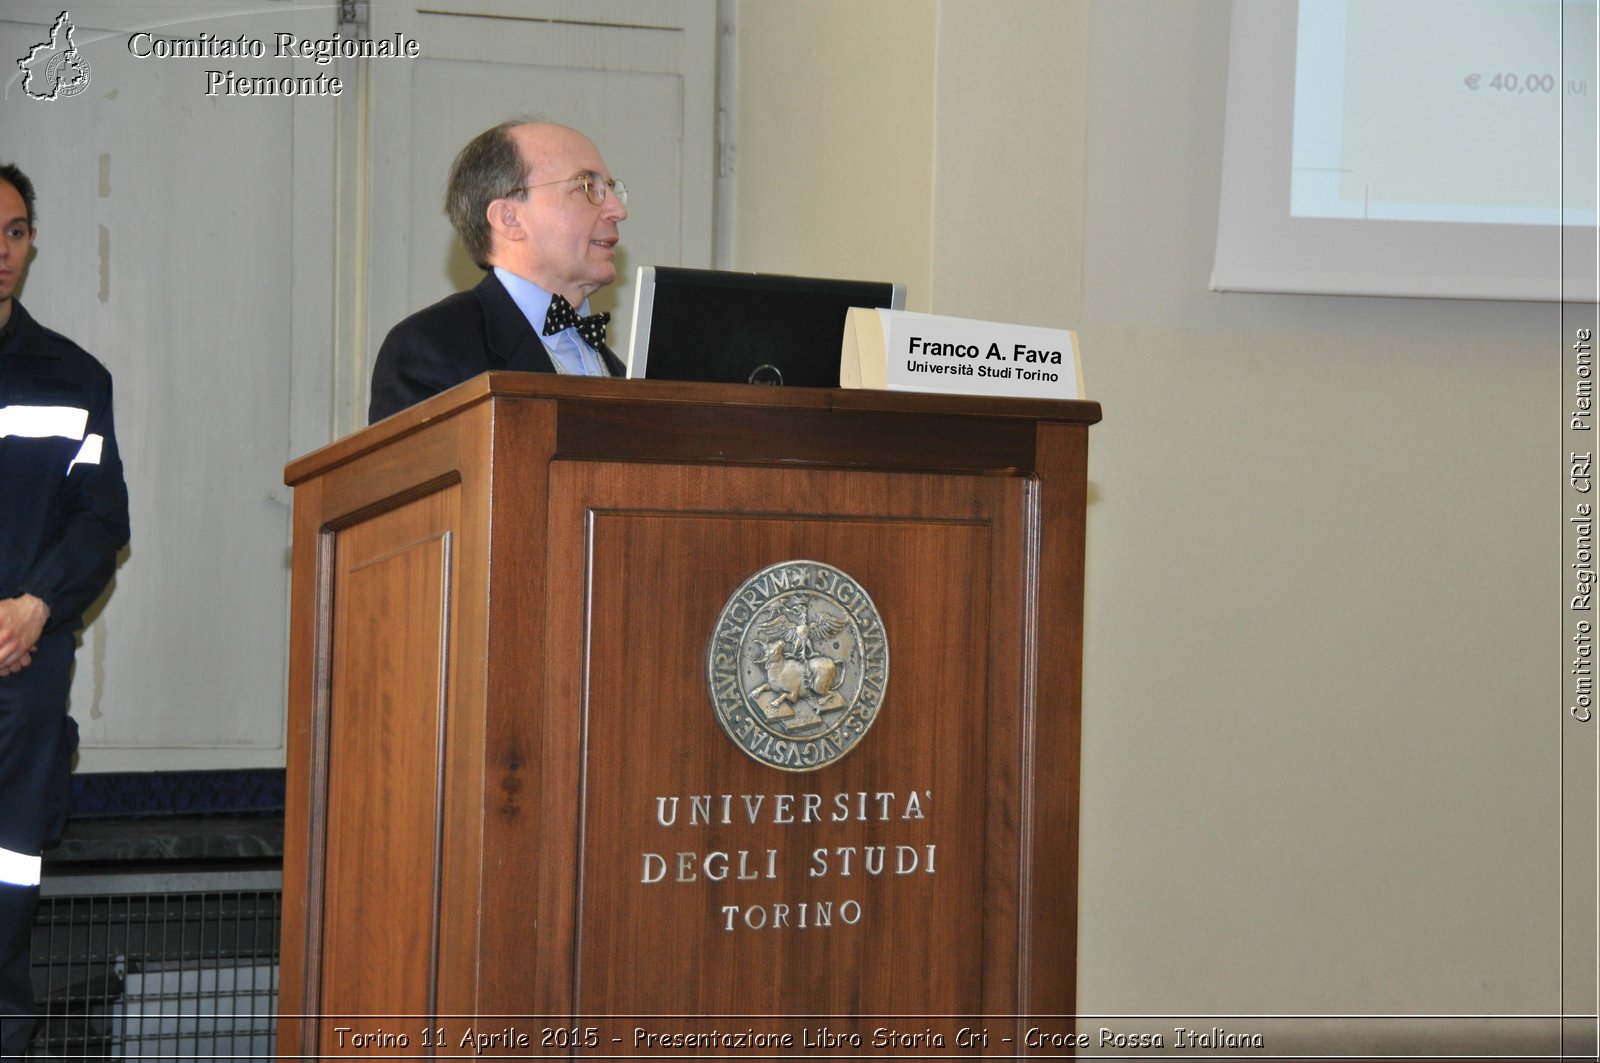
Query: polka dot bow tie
562,316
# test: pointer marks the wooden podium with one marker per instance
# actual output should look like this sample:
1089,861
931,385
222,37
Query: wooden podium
519,816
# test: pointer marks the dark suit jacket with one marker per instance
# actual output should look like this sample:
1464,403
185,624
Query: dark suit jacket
455,339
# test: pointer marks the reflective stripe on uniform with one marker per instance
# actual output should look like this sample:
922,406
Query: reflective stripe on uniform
89,453
40,422
18,869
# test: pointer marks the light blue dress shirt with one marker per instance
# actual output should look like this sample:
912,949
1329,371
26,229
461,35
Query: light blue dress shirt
568,350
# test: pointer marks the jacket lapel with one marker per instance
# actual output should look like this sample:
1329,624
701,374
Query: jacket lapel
511,340
613,363
513,343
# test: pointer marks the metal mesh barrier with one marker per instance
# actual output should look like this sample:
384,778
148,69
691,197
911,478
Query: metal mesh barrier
157,966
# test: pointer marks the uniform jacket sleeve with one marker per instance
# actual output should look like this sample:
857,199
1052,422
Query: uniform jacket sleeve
88,519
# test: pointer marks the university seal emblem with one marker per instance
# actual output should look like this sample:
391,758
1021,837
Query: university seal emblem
797,665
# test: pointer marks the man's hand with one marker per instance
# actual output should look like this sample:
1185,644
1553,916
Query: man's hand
21,622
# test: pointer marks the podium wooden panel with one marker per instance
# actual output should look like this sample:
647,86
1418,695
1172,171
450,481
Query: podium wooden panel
511,803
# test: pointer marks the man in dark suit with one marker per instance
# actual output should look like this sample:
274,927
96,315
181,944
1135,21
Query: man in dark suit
537,209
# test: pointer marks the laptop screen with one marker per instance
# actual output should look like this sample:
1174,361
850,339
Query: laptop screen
718,326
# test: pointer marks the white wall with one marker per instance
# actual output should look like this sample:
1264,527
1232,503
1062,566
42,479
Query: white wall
179,240
1321,731
1322,700
835,136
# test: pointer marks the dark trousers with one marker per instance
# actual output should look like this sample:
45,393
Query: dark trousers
37,740
17,906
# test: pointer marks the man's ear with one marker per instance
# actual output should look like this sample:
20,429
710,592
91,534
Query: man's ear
504,220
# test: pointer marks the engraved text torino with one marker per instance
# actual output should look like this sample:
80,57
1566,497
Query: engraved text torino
719,866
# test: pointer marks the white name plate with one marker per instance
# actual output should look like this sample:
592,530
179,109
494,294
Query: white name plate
901,351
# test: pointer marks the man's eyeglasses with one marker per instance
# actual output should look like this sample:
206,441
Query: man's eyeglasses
594,186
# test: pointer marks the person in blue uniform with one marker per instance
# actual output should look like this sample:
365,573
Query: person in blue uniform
63,518
538,211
